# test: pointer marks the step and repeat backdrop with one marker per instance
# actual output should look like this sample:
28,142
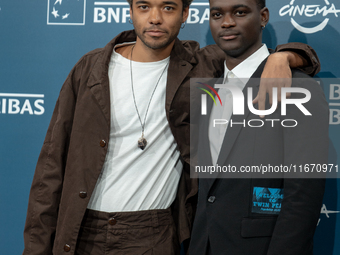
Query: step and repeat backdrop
40,41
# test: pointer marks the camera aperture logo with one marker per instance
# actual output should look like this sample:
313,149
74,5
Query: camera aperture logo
204,97
66,12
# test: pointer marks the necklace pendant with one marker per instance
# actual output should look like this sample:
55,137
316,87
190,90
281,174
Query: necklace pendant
142,142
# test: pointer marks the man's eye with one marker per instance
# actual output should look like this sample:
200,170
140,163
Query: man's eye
216,15
168,8
241,13
143,7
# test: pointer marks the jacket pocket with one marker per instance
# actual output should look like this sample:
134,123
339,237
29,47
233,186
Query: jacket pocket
258,227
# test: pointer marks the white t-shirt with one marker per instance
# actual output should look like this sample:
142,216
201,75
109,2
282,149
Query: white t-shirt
133,179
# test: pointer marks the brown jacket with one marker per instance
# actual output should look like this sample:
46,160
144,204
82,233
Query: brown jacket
76,143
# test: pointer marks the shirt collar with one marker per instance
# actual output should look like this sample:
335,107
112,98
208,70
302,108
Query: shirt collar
246,68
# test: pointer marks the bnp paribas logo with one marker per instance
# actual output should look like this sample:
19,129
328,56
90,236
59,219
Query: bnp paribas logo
66,12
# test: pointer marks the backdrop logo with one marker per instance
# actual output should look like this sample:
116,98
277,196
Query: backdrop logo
66,12
106,11
13,103
117,12
334,98
309,10
326,212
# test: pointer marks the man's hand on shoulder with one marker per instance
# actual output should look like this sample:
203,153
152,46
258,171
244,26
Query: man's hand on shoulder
277,74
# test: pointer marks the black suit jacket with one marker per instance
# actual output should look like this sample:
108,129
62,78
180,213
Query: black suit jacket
229,218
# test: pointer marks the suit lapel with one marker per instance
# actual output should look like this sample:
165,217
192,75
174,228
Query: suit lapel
204,146
181,63
232,133
99,84
205,152
176,74
99,80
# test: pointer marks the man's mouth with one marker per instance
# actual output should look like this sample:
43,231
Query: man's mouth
155,32
228,36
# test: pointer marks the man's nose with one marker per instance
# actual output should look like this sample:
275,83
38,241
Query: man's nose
228,21
155,16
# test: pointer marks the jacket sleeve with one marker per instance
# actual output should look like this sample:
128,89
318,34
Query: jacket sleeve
305,51
305,144
214,57
47,182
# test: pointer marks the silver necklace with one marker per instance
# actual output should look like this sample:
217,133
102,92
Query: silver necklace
142,142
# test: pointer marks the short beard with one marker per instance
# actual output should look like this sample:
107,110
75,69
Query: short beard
157,46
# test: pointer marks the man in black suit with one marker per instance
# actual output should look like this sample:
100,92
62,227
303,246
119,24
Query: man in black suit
248,215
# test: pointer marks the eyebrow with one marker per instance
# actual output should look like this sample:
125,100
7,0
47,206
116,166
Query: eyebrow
170,3
215,8
141,2
240,5
164,2
234,7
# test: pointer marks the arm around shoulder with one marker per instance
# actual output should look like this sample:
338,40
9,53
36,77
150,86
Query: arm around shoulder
305,57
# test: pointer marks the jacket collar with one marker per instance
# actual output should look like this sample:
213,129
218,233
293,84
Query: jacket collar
98,81
181,53
99,73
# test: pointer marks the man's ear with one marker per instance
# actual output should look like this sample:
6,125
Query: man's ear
131,13
264,16
185,13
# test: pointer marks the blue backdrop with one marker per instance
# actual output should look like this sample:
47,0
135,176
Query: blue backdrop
42,40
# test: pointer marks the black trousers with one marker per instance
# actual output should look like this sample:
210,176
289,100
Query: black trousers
128,233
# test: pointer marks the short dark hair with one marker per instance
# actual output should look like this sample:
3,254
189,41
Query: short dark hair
261,3
186,3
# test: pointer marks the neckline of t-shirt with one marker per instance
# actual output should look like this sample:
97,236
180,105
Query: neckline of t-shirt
126,61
